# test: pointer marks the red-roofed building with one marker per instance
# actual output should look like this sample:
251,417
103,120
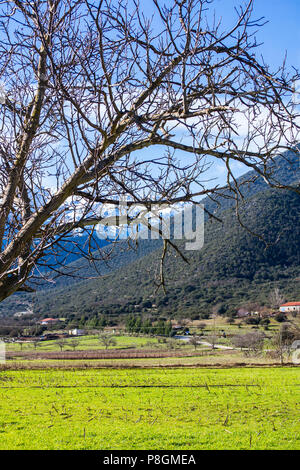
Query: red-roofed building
49,321
290,307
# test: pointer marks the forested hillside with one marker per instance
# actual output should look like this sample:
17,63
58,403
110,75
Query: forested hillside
232,268
286,168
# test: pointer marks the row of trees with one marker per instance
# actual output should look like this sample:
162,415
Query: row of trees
134,324
252,343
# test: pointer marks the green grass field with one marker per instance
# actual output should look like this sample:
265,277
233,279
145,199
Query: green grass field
150,409
87,343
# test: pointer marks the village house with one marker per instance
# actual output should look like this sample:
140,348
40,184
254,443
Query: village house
49,321
290,307
76,332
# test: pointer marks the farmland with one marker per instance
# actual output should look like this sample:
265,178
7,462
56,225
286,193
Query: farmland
174,408
89,342
149,392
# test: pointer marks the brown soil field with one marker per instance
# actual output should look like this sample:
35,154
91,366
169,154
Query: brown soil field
101,354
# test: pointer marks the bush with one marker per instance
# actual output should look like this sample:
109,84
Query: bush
252,321
250,342
281,317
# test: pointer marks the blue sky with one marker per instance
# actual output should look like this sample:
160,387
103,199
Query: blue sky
282,33
279,36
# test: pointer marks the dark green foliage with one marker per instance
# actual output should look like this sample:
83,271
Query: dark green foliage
281,317
134,324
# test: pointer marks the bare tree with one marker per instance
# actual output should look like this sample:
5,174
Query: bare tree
36,343
250,343
61,343
107,340
212,340
276,298
194,341
74,344
90,86
239,341
173,343
284,338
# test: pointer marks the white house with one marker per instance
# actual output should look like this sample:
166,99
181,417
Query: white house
76,332
290,307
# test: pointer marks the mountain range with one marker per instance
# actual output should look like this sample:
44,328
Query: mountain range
234,266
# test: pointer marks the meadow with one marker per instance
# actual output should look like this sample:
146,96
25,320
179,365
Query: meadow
88,342
174,408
